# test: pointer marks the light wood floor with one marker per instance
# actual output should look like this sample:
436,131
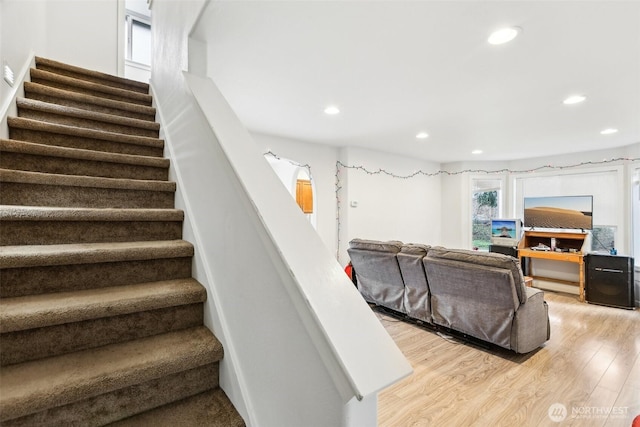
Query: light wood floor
590,365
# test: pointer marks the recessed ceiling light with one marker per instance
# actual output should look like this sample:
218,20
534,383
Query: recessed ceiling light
608,131
476,152
422,135
332,110
504,35
574,99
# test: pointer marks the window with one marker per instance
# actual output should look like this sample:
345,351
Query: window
138,39
486,203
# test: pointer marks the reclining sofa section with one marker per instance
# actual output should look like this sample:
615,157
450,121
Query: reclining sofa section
477,293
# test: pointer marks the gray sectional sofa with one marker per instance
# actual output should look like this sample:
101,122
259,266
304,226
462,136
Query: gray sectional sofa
476,293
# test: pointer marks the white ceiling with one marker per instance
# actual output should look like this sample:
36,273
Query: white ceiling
395,68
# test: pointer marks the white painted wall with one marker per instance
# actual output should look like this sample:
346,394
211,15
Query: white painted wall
76,32
286,171
140,7
22,31
455,210
388,207
83,33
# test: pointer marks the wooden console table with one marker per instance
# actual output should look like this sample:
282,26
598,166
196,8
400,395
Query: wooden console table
575,246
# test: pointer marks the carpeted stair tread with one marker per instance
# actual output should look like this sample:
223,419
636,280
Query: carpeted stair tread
38,213
67,69
211,408
71,116
25,147
84,86
37,225
36,125
91,253
122,403
36,311
26,177
89,102
38,157
33,386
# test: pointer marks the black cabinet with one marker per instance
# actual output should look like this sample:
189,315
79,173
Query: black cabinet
511,251
506,250
609,280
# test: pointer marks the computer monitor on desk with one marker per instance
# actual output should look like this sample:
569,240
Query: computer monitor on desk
505,232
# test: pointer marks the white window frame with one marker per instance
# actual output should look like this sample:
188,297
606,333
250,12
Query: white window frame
131,16
501,189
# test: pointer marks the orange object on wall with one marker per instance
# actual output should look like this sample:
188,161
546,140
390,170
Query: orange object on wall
304,195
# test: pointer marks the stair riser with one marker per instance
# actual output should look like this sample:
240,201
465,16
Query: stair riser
48,138
16,282
89,197
92,79
87,91
101,410
89,106
18,346
61,232
48,117
69,166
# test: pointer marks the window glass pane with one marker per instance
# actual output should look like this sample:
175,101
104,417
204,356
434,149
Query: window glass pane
140,42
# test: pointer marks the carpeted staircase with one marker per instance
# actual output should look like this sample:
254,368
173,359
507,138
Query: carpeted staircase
101,322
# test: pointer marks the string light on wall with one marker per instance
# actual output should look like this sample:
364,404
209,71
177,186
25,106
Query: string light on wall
275,156
381,171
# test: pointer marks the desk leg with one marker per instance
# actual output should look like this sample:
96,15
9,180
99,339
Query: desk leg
582,281
524,265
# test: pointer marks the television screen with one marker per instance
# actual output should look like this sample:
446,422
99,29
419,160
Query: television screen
505,232
574,212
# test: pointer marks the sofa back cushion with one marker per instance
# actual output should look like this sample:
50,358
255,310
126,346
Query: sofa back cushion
416,289
377,272
490,259
472,292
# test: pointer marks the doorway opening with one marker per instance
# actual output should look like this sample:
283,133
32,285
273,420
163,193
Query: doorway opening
299,183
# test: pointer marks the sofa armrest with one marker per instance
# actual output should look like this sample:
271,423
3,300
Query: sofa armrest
531,324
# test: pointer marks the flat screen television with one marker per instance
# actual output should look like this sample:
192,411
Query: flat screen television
505,232
572,212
